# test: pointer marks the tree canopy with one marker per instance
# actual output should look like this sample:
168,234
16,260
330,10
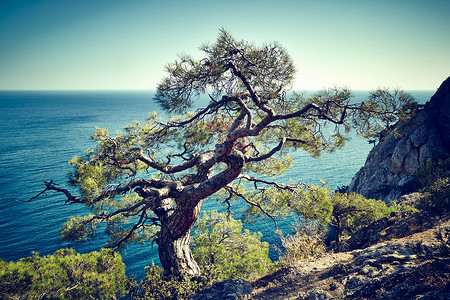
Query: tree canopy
149,182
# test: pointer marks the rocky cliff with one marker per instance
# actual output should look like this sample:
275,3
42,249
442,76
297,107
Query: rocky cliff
390,166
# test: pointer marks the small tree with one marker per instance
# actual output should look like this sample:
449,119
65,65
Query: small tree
400,107
150,181
223,251
158,285
345,212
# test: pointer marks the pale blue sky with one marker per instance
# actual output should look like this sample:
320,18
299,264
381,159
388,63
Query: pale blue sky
112,44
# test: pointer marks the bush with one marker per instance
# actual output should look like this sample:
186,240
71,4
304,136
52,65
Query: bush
345,212
225,251
156,286
306,242
433,178
353,211
64,275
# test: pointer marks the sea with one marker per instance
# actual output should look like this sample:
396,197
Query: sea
40,131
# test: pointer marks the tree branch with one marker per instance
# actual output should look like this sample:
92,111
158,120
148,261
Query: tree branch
255,97
130,232
274,183
214,104
273,151
141,183
247,112
168,169
53,186
233,191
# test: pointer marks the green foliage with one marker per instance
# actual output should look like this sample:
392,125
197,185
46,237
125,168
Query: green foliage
78,228
112,160
156,285
391,106
306,242
271,167
353,211
433,178
267,68
64,275
346,212
224,251
91,177
314,203
268,199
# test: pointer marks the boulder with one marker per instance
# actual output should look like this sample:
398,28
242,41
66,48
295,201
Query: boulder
238,289
397,225
390,166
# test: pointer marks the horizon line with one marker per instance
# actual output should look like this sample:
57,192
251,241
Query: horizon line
154,89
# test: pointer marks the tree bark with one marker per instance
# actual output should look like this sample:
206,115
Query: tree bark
175,254
174,238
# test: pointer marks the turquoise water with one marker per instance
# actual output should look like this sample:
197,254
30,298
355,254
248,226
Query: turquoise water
41,131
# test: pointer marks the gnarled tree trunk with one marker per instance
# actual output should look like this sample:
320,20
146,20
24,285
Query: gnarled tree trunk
174,238
177,221
176,256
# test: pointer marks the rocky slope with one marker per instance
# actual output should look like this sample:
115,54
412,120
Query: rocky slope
404,256
405,260
390,166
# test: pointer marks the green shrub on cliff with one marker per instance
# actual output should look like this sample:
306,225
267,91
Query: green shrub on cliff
345,212
64,275
433,178
158,286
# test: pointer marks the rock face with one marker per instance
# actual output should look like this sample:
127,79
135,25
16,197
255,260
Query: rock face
390,166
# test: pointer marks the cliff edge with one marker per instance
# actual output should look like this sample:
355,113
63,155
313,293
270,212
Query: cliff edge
391,164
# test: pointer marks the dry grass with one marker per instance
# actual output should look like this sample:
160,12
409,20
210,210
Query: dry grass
306,242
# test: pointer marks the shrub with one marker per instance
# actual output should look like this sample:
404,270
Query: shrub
156,286
433,178
225,251
64,275
345,212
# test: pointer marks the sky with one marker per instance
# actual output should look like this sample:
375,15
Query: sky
125,45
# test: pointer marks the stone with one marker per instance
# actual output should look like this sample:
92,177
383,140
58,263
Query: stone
316,295
238,289
401,150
